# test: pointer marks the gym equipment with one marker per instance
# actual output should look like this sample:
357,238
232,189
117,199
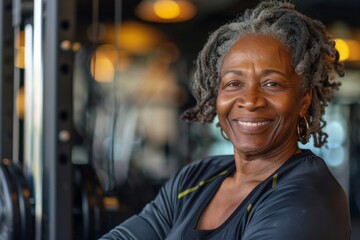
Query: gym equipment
88,207
16,204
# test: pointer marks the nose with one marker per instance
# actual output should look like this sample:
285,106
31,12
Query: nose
251,99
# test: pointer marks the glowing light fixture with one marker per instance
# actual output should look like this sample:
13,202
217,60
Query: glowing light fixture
136,37
349,50
20,103
20,57
354,46
20,50
347,41
165,10
343,49
105,60
101,67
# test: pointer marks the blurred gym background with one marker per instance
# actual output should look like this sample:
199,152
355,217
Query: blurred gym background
90,98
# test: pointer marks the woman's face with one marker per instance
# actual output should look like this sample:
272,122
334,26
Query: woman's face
260,97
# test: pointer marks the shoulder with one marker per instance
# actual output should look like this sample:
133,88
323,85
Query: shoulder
309,183
307,201
308,172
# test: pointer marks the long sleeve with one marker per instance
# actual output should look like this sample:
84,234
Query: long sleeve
302,200
155,220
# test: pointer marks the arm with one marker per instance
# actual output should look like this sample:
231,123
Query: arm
155,220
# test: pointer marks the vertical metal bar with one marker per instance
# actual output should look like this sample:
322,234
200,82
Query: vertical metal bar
35,79
58,73
17,141
6,81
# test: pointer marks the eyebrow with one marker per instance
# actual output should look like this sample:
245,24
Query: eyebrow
263,72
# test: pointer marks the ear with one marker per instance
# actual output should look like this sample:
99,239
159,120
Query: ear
306,102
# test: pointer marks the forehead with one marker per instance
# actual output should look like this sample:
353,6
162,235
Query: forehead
260,48
263,40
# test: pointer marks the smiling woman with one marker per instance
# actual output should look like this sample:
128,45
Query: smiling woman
260,97
268,75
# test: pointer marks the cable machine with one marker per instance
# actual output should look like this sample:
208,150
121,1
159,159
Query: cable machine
59,29
16,221
45,210
44,193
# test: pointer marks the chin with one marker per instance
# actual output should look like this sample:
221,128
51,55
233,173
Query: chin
249,149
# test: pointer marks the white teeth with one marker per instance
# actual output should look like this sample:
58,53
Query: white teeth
253,124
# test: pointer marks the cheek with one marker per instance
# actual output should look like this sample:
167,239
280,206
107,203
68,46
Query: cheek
223,104
288,109
222,110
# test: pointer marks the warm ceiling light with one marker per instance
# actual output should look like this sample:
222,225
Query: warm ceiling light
105,61
165,10
343,49
349,49
101,66
102,69
136,37
354,46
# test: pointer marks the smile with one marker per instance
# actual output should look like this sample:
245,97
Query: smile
252,124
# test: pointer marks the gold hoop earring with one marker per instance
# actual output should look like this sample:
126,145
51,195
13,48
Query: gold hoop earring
223,134
303,134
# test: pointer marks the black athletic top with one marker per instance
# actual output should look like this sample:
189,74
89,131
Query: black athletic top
301,200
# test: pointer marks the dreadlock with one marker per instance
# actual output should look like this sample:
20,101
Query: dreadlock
314,57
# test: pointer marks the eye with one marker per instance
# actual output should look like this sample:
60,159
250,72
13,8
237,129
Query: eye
233,84
271,84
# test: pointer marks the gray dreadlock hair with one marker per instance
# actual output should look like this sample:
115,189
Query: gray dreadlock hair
314,57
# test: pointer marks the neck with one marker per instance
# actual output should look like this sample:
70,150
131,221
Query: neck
250,168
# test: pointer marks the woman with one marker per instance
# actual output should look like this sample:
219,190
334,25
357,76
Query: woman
268,76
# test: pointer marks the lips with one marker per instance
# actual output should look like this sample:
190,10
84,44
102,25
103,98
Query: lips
253,124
